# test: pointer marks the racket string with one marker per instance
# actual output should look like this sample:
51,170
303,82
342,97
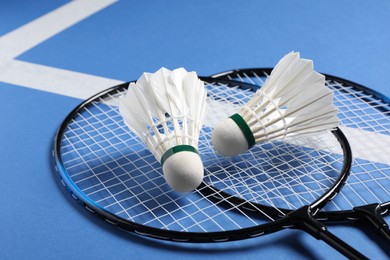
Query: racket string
118,202
270,189
371,118
114,169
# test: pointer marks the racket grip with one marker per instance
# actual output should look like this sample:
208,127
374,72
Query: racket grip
303,220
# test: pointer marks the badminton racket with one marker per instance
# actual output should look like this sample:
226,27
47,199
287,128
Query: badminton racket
110,172
365,119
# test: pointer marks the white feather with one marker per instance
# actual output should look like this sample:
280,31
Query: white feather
293,101
166,109
295,97
166,106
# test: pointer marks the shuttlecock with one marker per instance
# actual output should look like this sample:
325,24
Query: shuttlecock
166,111
293,101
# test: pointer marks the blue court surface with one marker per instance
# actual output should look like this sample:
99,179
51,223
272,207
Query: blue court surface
54,54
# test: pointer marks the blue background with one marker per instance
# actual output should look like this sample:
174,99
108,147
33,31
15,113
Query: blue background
38,220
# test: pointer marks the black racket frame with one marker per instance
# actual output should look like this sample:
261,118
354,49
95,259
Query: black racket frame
298,219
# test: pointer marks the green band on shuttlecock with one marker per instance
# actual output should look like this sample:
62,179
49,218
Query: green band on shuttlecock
246,130
177,149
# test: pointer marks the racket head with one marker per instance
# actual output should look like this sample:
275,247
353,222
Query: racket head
111,173
365,119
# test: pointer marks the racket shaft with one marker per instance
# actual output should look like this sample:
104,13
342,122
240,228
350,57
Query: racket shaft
340,245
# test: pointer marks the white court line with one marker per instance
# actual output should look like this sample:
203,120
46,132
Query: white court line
79,85
365,145
28,36
83,86
45,78
59,81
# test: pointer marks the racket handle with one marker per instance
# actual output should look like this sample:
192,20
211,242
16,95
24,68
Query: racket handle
303,220
373,214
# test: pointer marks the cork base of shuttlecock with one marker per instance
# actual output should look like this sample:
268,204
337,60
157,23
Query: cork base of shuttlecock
228,139
183,171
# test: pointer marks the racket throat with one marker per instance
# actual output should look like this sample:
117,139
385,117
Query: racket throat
372,213
302,219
